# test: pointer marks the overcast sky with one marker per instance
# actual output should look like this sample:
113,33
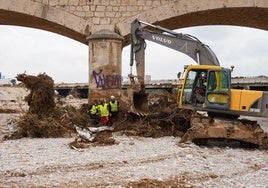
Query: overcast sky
65,60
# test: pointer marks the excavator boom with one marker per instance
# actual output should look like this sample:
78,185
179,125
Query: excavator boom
184,43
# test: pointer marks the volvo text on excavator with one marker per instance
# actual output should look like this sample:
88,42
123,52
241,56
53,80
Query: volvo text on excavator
205,87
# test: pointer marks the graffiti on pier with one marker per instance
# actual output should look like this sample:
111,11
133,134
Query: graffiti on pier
107,81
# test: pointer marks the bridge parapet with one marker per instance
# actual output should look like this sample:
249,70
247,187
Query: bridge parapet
259,80
254,83
157,82
250,80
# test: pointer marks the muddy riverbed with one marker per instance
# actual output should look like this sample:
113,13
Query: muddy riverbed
132,162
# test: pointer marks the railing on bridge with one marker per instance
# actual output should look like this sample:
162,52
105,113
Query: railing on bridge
236,81
253,83
156,83
250,81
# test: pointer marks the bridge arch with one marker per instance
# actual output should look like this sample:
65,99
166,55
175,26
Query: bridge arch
43,16
185,13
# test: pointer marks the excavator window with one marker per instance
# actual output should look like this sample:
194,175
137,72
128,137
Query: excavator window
218,91
212,81
218,80
189,87
195,87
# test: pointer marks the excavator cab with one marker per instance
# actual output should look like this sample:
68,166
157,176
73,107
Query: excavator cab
206,87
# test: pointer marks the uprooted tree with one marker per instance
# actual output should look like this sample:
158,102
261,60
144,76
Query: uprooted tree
44,119
41,98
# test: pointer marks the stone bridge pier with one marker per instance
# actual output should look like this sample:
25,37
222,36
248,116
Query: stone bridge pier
105,52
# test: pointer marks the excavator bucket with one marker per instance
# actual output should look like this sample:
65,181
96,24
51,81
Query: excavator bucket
136,101
245,131
140,101
138,96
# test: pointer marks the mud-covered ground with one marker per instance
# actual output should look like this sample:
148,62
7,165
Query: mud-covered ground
132,162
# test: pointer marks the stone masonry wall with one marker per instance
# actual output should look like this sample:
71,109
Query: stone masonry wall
104,12
116,15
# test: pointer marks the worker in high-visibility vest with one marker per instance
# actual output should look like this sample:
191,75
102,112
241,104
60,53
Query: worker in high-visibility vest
104,112
93,113
114,104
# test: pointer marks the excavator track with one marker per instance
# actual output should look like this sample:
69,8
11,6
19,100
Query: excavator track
245,131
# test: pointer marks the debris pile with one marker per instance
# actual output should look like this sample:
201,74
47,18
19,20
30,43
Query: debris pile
46,118
162,119
173,123
93,136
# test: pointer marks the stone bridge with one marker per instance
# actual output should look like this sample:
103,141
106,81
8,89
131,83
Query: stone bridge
259,83
104,25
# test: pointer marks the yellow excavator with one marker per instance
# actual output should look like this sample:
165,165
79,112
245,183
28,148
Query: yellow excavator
205,87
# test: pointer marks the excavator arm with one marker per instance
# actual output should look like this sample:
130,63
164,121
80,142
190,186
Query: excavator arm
184,43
